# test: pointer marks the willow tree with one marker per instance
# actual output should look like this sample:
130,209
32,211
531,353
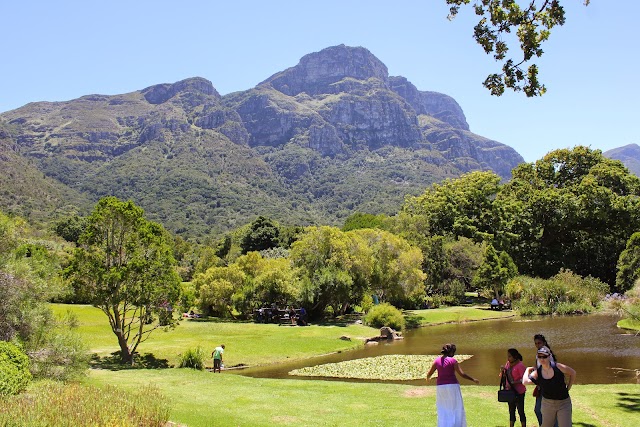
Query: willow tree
125,267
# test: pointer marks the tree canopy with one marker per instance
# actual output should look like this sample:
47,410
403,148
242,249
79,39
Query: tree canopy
125,266
531,23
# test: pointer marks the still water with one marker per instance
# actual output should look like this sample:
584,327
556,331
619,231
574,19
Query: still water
592,345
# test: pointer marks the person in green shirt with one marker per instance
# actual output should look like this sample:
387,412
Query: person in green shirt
217,357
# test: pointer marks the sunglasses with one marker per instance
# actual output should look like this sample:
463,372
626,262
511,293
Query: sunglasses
542,356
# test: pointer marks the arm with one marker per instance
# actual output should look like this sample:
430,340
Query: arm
568,372
431,371
463,375
530,374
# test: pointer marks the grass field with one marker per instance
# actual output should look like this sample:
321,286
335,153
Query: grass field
204,399
246,343
455,314
201,398
630,324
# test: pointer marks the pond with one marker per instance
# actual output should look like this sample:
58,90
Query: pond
592,345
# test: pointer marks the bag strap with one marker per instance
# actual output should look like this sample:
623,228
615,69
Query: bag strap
503,380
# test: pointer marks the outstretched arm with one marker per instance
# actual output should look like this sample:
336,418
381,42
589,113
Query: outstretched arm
431,371
463,375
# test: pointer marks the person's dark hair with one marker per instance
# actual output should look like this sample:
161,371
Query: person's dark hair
541,337
448,350
515,354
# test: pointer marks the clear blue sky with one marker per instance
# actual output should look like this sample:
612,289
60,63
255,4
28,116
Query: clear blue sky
57,51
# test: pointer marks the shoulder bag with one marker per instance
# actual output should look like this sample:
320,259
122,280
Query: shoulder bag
505,395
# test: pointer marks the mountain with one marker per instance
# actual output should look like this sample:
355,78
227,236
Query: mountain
310,144
629,155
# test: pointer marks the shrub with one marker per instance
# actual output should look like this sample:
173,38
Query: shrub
193,358
564,293
14,369
385,315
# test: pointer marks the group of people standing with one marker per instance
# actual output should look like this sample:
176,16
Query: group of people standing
552,381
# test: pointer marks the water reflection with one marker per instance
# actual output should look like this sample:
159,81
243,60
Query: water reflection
592,345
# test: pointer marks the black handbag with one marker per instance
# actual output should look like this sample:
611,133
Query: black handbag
505,395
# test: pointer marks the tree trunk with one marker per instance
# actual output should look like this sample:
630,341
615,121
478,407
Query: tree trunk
125,353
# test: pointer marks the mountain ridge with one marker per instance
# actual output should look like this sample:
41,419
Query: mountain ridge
310,144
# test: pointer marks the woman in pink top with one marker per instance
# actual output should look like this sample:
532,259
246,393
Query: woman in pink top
514,369
448,395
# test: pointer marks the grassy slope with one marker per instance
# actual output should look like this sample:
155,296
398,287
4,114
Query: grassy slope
629,324
206,399
246,343
457,314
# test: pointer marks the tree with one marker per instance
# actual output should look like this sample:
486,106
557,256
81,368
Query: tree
70,228
459,207
573,209
629,264
334,268
124,265
532,25
495,272
263,234
396,274
216,287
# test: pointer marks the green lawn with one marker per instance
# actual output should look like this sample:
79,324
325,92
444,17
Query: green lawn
456,314
246,343
206,399
630,324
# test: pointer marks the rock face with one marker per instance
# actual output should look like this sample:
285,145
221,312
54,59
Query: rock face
437,105
319,73
335,130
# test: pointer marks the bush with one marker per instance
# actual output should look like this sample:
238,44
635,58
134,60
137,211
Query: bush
564,293
56,351
193,358
14,369
385,315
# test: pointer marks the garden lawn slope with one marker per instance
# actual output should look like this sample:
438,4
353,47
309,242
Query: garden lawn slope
246,343
204,399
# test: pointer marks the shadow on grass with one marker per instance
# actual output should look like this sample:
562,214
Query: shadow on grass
629,401
114,362
584,425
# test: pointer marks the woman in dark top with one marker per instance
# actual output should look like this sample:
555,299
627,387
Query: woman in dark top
555,382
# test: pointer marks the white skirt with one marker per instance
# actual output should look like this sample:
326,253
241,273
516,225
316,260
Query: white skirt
450,406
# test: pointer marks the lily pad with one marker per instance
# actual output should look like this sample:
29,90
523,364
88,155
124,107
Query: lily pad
394,367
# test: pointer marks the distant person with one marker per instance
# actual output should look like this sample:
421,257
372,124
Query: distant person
495,305
303,316
292,316
449,402
540,341
217,358
514,370
555,383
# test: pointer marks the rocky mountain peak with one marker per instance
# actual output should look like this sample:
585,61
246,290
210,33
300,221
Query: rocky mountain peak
158,94
316,72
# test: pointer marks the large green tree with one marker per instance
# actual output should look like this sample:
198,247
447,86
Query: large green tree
396,274
334,268
629,264
573,209
124,265
457,207
531,21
